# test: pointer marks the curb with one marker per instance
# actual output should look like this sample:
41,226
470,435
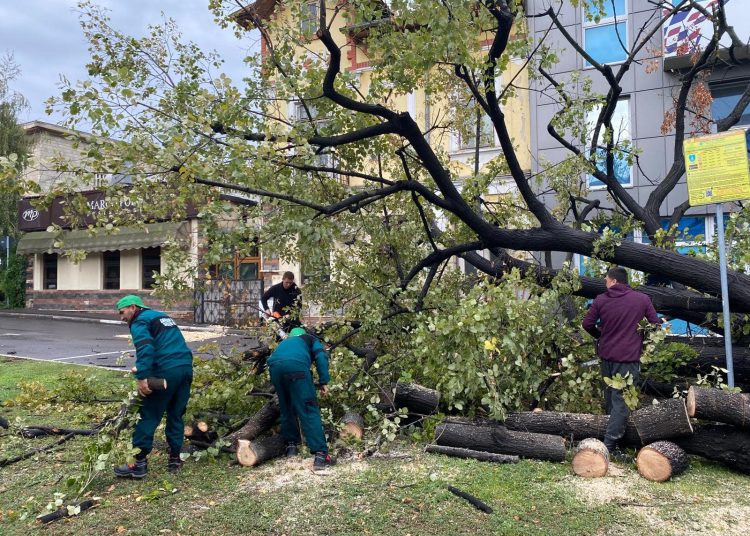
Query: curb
222,330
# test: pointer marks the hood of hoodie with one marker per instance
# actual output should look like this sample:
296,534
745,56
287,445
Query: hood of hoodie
618,290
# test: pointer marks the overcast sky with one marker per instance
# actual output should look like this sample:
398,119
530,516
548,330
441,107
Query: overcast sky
46,40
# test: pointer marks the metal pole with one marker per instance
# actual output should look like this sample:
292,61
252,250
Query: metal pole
7,263
725,295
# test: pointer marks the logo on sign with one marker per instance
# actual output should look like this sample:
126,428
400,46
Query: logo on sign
30,214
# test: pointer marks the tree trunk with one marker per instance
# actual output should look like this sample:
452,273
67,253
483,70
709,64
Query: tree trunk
258,423
251,453
717,405
721,443
575,426
354,425
473,454
711,354
665,420
661,461
416,398
591,459
498,439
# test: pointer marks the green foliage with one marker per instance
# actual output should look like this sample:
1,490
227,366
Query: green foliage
625,384
13,279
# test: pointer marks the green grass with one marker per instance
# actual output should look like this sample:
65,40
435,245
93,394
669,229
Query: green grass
401,492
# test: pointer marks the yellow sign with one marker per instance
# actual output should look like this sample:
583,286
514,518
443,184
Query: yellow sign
717,168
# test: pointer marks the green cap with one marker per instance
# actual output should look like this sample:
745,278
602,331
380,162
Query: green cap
296,332
130,299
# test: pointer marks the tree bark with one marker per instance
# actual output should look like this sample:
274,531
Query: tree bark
498,439
31,432
199,433
711,354
661,461
476,503
416,398
574,426
717,405
473,454
63,511
721,443
258,423
665,420
591,459
251,453
354,425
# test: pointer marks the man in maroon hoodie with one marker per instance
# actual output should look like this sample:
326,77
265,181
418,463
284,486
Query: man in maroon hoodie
618,311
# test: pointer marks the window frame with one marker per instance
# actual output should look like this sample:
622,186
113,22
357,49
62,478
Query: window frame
46,280
108,261
628,115
604,22
148,281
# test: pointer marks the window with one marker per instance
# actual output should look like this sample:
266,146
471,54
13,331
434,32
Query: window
49,271
726,97
318,270
111,264
621,140
151,263
606,41
309,19
467,130
300,114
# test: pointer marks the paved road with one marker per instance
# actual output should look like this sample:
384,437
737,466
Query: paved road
87,343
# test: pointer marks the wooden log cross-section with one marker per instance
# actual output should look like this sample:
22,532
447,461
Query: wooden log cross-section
717,405
200,432
496,438
661,460
354,425
591,459
251,453
665,420
473,454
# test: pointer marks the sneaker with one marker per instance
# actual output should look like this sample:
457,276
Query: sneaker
175,464
620,457
132,470
291,450
323,460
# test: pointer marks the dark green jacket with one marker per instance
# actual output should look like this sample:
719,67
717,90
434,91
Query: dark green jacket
304,350
159,344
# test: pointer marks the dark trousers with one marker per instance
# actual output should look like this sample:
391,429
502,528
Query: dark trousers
173,400
614,402
298,400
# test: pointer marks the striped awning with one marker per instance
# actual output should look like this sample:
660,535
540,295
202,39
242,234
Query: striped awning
154,234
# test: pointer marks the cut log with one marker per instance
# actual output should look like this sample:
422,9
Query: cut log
257,424
574,426
473,454
665,420
354,425
496,438
156,384
251,453
591,459
416,398
661,461
717,405
199,433
721,443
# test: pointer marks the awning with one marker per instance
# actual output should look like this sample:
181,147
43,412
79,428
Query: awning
154,234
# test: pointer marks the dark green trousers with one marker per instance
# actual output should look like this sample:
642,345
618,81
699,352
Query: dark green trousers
173,400
298,400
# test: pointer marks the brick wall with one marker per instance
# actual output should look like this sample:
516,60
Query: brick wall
100,300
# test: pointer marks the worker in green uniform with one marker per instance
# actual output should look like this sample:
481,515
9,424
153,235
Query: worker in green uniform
161,352
289,366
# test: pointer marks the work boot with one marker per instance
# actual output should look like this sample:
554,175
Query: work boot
132,470
175,463
291,449
323,460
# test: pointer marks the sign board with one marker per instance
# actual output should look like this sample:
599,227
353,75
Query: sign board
689,30
717,168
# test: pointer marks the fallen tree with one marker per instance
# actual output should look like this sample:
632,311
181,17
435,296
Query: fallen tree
721,443
720,406
575,426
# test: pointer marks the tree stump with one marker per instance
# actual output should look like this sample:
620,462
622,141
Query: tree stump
498,439
721,443
591,459
661,461
354,425
263,420
665,420
575,426
717,405
473,454
251,453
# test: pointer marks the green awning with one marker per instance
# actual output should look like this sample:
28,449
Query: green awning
154,234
